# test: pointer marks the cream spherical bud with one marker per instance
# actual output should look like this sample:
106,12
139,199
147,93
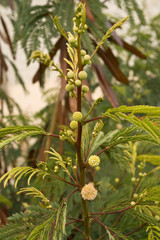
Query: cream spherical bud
75,168
85,88
116,180
83,52
135,195
133,203
87,58
70,74
89,192
78,83
94,160
56,168
82,75
74,124
157,217
69,87
77,116
133,179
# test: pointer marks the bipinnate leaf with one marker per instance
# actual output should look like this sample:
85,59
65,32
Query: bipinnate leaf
18,172
143,109
153,159
18,133
59,27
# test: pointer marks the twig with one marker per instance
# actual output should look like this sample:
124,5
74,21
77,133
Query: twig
93,119
71,194
97,220
130,233
119,211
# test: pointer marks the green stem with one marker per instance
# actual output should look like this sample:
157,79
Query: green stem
78,148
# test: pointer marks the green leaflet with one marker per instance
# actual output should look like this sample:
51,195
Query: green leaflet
21,133
42,231
148,110
146,124
5,201
18,172
152,194
59,27
100,139
36,194
154,159
153,232
60,224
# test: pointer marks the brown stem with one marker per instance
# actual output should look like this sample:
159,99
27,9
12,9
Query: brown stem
135,230
78,147
63,180
93,119
97,220
119,211
71,194
108,147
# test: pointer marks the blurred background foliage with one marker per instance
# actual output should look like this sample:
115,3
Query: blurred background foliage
126,69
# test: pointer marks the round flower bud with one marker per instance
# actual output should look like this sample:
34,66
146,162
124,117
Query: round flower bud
89,62
74,19
116,180
74,124
94,160
71,94
77,116
119,126
69,87
89,192
133,203
85,88
82,75
78,83
157,217
85,26
133,179
83,52
97,168
74,167
70,74
56,168
135,195
87,58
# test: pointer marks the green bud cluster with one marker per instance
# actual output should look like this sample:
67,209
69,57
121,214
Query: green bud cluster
69,161
79,25
66,134
56,168
141,165
72,40
97,128
44,58
86,59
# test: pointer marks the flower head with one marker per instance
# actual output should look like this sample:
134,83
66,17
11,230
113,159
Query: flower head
94,160
89,192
